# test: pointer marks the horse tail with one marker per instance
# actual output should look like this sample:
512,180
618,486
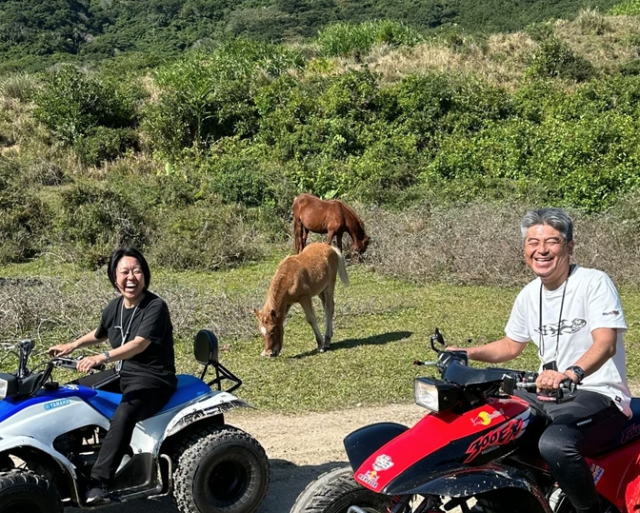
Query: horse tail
297,232
342,267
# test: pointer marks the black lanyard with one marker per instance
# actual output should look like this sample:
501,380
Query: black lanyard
125,334
541,340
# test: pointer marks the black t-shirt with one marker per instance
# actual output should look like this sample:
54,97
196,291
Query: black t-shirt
149,320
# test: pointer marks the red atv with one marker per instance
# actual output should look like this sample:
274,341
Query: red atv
475,450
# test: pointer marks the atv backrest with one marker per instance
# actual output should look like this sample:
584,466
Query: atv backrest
205,347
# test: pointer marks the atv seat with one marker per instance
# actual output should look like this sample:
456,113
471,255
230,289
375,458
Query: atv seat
205,348
189,387
631,429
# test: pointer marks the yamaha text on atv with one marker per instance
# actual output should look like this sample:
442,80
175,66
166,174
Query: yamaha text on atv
50,435
476,450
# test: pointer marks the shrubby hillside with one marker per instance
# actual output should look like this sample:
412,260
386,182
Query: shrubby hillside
35,34
197,159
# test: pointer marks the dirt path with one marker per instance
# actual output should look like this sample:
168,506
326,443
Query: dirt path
302,447
299,447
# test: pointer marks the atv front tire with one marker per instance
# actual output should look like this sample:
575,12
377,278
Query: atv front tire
335,492
220,469
23,491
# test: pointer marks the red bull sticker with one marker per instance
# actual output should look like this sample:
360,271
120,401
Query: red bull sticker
484,418
371,478
383,462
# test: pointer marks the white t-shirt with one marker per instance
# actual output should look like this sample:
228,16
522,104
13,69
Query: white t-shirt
591,301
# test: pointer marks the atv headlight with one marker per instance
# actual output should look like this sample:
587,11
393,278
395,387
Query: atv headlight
8,385
435,395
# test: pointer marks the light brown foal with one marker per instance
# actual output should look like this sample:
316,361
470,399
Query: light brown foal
297,279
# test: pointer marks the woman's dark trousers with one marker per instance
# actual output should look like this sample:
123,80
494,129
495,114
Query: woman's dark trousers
136,405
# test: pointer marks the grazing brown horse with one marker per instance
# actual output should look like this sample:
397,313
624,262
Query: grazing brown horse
297,279
333,217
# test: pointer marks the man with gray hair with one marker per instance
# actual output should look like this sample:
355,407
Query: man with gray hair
574,317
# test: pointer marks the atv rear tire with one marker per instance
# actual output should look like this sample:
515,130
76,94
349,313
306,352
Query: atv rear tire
23,491
335,492
220,469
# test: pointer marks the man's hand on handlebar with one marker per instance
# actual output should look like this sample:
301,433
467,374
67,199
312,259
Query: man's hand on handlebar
89,362
549,381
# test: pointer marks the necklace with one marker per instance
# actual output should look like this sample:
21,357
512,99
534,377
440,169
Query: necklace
552,365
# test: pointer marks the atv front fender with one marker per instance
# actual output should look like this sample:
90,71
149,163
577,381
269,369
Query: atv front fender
363,442
13,444
18,445
471,482
208,406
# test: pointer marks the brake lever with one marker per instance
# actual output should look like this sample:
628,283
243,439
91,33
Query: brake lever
564,393
426,364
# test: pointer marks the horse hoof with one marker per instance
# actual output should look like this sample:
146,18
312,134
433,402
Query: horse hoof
269,354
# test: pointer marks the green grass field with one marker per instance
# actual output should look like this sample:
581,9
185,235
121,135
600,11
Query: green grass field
381,326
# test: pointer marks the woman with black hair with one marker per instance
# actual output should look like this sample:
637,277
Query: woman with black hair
138,326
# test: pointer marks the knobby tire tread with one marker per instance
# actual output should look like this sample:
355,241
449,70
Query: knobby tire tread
193,447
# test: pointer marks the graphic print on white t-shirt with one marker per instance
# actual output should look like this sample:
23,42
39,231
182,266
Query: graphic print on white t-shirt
565,326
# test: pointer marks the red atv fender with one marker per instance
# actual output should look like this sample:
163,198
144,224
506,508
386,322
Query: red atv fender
617,476
417,460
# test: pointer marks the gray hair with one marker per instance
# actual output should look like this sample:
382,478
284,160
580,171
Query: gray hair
554,217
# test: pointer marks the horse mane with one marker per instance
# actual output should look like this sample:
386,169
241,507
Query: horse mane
359,221
275,292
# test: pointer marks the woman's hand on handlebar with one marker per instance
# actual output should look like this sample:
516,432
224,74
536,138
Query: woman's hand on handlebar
89,362
62,349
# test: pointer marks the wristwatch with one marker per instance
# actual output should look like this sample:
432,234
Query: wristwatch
578,371
106,355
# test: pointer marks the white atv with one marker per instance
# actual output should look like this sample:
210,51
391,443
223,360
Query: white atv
50,435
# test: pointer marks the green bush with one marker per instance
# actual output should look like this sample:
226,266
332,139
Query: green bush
585,163
104,144
205,97
206,236
93,220
23,218
630,68
427,105
626,8
556,60
348,39
74,103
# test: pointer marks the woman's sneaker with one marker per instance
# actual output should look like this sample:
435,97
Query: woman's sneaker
97,495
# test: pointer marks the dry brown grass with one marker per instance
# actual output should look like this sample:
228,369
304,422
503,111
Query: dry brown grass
605,41
607,49
481,244
58,310
466,245
501,61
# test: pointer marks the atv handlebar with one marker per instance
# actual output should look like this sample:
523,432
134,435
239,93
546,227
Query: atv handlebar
565,392
453,367
72,363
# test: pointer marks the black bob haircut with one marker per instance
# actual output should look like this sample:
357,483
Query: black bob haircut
129,251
